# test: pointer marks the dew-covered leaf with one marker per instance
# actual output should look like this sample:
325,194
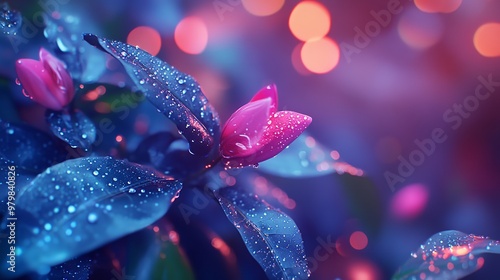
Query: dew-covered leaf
10,20
447,255
305,157
75,269
74,128
81,204
177,95
28,148
271,237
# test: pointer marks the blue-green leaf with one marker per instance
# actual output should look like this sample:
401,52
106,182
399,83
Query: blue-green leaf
305,157
28,148
177,95
447,255
81,204
271,237
74,128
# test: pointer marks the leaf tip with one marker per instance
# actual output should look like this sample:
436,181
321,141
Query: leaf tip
92,40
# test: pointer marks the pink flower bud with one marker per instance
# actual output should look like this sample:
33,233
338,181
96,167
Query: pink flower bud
257,131
46,81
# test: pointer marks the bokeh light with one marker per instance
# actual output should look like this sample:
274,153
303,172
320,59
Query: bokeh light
191,35
320,55
420,30
309,20
358,240
146,38
438,6
487,39
262,7
410,201
362,271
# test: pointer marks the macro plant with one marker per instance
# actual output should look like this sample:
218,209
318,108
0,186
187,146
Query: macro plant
105,176
74,195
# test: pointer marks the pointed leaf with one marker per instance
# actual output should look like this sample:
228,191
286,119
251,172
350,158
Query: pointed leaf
305,157
271,237
75,128
81,204
28,148
447,255
177,95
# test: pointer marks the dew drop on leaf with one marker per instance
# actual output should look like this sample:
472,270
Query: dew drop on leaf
10,20
447,255
92,218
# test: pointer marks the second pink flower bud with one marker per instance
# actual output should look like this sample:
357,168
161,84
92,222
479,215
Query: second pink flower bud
46,81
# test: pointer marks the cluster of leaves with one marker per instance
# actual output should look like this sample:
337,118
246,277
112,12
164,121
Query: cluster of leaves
71,198
76,206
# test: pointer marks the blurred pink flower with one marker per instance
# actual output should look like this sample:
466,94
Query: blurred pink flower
257,131
46,81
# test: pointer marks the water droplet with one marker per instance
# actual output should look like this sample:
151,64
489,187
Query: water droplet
10,131
68,232
92,218
62,45
109,207
18,82
10,20
181,81
25,93
142,81
47,226
95,172
84,136
114,179
71,209
131,190
124,53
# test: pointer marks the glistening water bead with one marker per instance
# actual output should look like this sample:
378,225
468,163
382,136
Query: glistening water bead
92,218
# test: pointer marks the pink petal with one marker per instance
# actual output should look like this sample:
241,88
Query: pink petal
61,84
269,91
282,129
244,129
35,79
